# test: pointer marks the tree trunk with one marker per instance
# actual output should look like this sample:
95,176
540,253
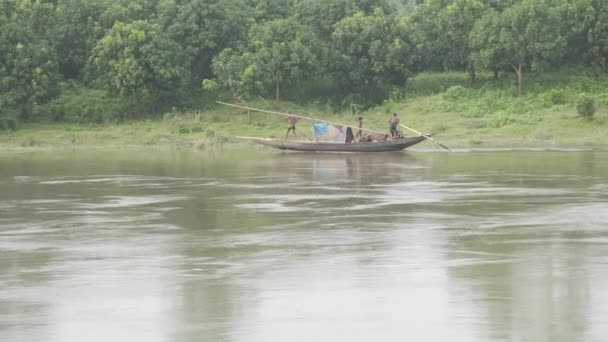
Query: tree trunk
520,80
446,68
472,75
276,95
495,69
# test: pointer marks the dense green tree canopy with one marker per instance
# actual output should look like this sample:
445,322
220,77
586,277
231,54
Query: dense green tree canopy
428,36
588,22
137,57
361,48
455,22
204,28
28,66
368,50
278,51
522,36
74,34
322,16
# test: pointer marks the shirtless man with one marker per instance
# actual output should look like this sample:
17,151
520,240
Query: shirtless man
291,121
394,121
359,132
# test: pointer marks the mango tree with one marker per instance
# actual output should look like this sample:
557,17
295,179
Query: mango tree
370,50
28,67
277,52
526,35
137,57
588,23
455,22
204,28
323,15
73,34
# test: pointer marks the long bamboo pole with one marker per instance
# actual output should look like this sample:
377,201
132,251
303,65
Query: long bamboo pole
298,116
427,137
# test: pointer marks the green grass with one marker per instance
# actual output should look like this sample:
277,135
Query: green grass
490,114
487,114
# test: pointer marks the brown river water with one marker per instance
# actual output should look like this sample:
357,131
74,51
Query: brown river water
264,246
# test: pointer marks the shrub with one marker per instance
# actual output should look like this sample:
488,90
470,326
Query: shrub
456,93
8,124
458,99
8,119
557,96
186,127
585,106
80,105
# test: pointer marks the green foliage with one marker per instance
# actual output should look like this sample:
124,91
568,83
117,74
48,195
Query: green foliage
37,16
371,50
137,57
8,122
80,105
318,91
279,51
444,29
428,37
233,72
585,106
126,11
202,27
455,22
557,96
74,34
525,35
185,123
141,57
587,23
323,15
210,85
429,83
28,67
456,93
494,104
268,10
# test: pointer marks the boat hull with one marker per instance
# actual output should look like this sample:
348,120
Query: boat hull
379,146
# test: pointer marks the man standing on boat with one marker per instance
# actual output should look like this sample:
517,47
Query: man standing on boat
394,121
359,132
291,121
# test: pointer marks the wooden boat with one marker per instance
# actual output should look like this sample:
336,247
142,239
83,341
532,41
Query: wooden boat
311,146
336,143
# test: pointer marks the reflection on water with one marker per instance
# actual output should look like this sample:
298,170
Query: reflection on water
506,246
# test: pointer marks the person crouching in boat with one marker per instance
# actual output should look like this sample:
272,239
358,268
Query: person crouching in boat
291,122
393,121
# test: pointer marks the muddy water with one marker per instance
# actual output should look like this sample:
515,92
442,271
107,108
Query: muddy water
257,246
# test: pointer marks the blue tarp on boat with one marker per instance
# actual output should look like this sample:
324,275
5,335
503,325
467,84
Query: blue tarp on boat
328,132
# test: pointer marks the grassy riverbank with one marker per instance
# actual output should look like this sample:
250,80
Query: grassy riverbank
486,115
